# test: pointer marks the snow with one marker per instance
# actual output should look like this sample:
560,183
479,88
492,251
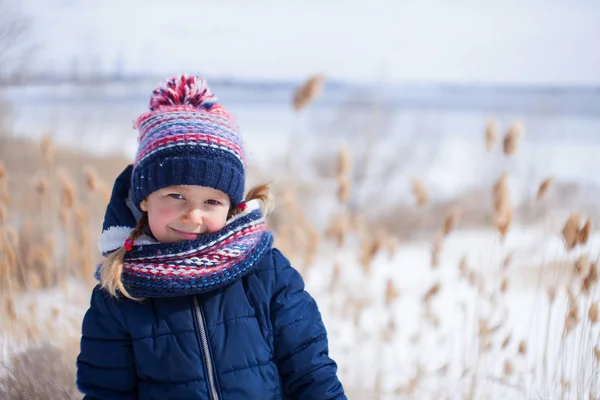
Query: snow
366,354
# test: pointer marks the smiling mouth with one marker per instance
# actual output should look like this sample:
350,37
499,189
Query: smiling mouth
186,235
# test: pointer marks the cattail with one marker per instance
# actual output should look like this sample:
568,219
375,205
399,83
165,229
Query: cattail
343,189
370,247
503,222
451,221
420,192
506,342
572,318
344,161
593,272
501,204
91,178
491,133
570,231
582,265
597,354
593,313
544,186
584,233
67,191
508,368
391,293
309,91
522,347
501,193
433,290
504,285
510,144
590,279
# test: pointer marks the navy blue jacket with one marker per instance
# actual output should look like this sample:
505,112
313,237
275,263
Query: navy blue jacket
263,339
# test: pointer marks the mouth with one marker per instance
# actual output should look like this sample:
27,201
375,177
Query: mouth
186,235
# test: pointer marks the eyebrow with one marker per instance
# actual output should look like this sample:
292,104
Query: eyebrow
214,193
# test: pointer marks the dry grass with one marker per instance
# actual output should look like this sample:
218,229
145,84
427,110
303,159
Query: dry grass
40,372
307,92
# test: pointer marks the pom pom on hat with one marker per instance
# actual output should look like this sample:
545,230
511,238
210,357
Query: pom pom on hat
185,90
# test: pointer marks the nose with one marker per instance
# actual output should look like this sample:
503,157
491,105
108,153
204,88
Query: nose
194,216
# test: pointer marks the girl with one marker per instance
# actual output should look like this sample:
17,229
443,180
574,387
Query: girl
193,302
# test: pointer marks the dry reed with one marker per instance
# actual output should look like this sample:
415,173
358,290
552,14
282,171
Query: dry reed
501,205
491,133
584,233
511,140
308,92
593,313
420,192
543,188
570,231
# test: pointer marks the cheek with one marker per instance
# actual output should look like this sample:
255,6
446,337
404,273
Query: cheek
216,222
161,215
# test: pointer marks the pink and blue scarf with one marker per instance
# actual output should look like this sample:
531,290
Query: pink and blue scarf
152,269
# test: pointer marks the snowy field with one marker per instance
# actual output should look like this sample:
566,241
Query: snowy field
383,342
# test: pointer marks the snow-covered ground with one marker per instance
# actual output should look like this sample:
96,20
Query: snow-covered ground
373,355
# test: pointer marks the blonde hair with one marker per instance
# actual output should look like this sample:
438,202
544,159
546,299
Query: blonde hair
112,268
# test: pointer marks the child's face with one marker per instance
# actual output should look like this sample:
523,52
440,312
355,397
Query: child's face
179,213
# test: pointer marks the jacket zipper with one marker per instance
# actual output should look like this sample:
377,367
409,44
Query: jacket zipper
206,350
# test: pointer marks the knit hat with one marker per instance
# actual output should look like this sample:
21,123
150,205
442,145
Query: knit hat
187,138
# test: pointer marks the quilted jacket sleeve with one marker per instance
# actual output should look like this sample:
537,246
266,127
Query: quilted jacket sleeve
301,347
105,365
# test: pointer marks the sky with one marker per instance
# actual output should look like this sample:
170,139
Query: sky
460,41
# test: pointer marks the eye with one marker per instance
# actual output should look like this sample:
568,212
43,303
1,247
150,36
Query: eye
176,196
213,202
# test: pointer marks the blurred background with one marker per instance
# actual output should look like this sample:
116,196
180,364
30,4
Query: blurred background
434,165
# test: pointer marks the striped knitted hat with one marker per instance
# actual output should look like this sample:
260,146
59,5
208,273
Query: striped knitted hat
187,138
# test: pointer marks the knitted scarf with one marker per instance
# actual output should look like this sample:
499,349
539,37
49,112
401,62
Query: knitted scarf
152,269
